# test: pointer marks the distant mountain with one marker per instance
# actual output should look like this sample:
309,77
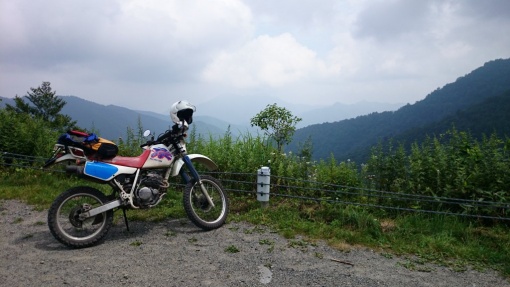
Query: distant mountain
338,112
350,139
478,102
112,121
4,101
214,126
239,110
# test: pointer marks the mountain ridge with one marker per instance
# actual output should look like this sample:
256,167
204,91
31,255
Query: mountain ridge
345,139
112,121
471,99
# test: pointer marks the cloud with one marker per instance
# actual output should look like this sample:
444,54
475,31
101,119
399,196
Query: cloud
430,23
138,52
302,14
425,39
388,20
131,40
271,61
491,10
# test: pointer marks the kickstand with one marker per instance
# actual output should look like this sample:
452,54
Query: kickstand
125,219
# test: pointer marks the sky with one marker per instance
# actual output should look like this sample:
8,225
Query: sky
147,54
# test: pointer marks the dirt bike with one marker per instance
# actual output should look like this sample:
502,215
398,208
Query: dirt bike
81,216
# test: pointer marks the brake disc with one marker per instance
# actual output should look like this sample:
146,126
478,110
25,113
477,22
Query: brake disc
74,216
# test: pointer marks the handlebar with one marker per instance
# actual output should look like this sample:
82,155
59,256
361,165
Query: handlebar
175,133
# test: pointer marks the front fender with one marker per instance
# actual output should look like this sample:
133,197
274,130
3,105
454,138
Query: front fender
198,158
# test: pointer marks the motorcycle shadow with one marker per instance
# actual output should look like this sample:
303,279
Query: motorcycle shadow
140,228
42,240
118,234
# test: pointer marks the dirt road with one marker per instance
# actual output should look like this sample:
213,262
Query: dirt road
175,253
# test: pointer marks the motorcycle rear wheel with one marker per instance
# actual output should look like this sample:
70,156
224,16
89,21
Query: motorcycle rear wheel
199,211
66,226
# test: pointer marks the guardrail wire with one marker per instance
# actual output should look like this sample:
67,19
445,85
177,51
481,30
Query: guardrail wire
299,189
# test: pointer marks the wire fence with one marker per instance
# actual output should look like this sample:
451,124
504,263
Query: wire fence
356,196
245,184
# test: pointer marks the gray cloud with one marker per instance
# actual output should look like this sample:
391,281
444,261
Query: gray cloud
387,20
131,43
138,52
488,10
302,14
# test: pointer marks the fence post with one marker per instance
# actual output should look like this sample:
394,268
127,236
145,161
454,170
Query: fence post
263,182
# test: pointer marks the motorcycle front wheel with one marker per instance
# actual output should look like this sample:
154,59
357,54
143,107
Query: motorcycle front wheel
197,207
64,217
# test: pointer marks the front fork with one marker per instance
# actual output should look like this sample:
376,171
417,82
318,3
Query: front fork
196,177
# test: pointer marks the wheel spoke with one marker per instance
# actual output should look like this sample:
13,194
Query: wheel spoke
198,207
69,227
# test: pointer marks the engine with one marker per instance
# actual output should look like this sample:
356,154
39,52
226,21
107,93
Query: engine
150,190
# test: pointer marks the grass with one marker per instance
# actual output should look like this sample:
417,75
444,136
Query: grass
455,242
232,249
18,220
136,243
37,188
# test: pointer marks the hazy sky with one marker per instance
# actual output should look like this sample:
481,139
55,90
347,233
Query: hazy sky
146,54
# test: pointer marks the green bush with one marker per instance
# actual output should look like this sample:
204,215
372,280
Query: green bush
453,165
22,134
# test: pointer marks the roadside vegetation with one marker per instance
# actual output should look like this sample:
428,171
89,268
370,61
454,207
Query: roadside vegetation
451,165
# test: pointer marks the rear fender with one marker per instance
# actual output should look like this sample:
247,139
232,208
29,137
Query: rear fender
195,158
55,160
59,155
65,158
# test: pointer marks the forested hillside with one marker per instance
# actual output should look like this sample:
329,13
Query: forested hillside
113,121
467,103
492,116
477,102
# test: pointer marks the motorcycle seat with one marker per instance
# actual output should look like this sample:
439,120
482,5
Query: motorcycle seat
136,162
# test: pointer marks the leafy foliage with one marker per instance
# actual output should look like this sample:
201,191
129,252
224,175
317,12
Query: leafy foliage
134,138
45,106
22,134
32,128
278,123
453,165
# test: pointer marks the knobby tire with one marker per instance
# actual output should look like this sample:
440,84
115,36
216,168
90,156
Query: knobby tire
60,215
197,208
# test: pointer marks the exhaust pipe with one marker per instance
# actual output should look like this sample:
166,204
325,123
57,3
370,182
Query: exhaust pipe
74,169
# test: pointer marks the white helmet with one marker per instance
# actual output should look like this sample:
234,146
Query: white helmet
182,111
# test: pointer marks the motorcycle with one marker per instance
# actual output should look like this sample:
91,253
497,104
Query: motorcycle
82,216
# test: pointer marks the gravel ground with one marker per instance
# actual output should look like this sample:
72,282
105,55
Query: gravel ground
176,253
